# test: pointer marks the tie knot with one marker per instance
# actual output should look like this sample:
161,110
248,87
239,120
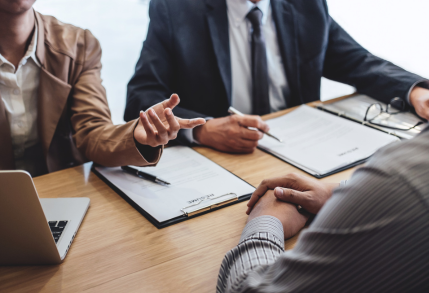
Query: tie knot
255,17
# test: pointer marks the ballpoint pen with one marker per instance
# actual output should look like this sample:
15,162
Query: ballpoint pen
232,110
143,175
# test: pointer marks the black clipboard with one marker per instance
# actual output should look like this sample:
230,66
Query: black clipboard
175,220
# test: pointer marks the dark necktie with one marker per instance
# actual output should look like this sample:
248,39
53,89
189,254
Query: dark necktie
260,89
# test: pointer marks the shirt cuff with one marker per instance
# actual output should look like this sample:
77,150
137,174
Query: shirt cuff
264,224
189,134
151,154
343,183
422,83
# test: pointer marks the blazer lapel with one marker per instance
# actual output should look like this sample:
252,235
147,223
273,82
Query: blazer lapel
52,99
286,27
7,161
217,19
52,94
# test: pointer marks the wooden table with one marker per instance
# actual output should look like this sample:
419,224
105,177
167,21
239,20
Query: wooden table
118,250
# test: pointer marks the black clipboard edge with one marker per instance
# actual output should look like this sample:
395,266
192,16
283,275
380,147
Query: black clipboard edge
322,175
170,222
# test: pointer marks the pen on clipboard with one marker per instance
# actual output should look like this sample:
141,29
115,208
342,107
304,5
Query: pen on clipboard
232,110
144,175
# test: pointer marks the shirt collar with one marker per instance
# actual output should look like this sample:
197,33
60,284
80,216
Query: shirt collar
31,51
238,9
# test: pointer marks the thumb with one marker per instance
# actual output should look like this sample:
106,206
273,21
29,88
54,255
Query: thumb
291,196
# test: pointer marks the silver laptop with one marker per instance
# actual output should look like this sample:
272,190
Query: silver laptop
35,230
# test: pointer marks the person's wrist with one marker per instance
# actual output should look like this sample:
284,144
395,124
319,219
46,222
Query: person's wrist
267,224
413,95
417,92
331,186
196,132
138,138
269,213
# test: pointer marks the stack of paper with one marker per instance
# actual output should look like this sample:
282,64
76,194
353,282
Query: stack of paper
321,143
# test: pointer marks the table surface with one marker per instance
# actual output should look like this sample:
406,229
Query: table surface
117,250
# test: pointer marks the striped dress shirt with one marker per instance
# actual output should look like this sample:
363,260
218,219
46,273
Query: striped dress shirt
371,236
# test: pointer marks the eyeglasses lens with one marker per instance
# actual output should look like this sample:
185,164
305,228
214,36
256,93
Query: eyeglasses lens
373,111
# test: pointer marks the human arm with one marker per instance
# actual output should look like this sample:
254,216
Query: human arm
114,145
348,62
270,222
367,238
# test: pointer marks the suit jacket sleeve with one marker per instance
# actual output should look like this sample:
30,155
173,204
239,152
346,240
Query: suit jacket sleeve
348,62
94,133
152,81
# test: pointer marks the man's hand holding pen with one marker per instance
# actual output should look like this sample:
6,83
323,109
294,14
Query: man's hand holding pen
232,134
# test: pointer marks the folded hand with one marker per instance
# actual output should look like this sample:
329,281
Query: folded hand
287,213
302,190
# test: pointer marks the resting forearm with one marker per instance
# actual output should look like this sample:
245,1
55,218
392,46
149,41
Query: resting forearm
113,145
260,245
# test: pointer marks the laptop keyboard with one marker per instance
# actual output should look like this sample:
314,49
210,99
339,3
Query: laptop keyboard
57,228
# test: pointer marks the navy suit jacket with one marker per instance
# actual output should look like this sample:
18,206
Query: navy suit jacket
187,52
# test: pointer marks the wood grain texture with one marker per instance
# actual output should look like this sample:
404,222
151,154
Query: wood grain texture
118,250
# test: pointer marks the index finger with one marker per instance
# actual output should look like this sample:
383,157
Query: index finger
259,192
254,121
190,123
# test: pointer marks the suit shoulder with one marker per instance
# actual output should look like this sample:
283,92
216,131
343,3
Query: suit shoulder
178,7
67,39
310,6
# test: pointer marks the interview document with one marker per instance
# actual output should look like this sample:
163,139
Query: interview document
321,143
195,183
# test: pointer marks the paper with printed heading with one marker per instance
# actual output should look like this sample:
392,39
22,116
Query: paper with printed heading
193,177
320,143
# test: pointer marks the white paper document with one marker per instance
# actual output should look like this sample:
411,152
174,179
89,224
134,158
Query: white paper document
194,179
319,142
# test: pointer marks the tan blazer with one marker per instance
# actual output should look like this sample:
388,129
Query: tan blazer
74,121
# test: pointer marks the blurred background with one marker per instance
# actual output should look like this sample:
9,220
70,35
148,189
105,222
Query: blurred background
396,30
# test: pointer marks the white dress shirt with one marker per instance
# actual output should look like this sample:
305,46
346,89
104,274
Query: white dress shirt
240,43
18,90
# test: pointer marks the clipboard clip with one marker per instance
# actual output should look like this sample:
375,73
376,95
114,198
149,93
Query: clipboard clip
204,204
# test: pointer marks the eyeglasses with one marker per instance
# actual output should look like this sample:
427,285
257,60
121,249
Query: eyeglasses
395,106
